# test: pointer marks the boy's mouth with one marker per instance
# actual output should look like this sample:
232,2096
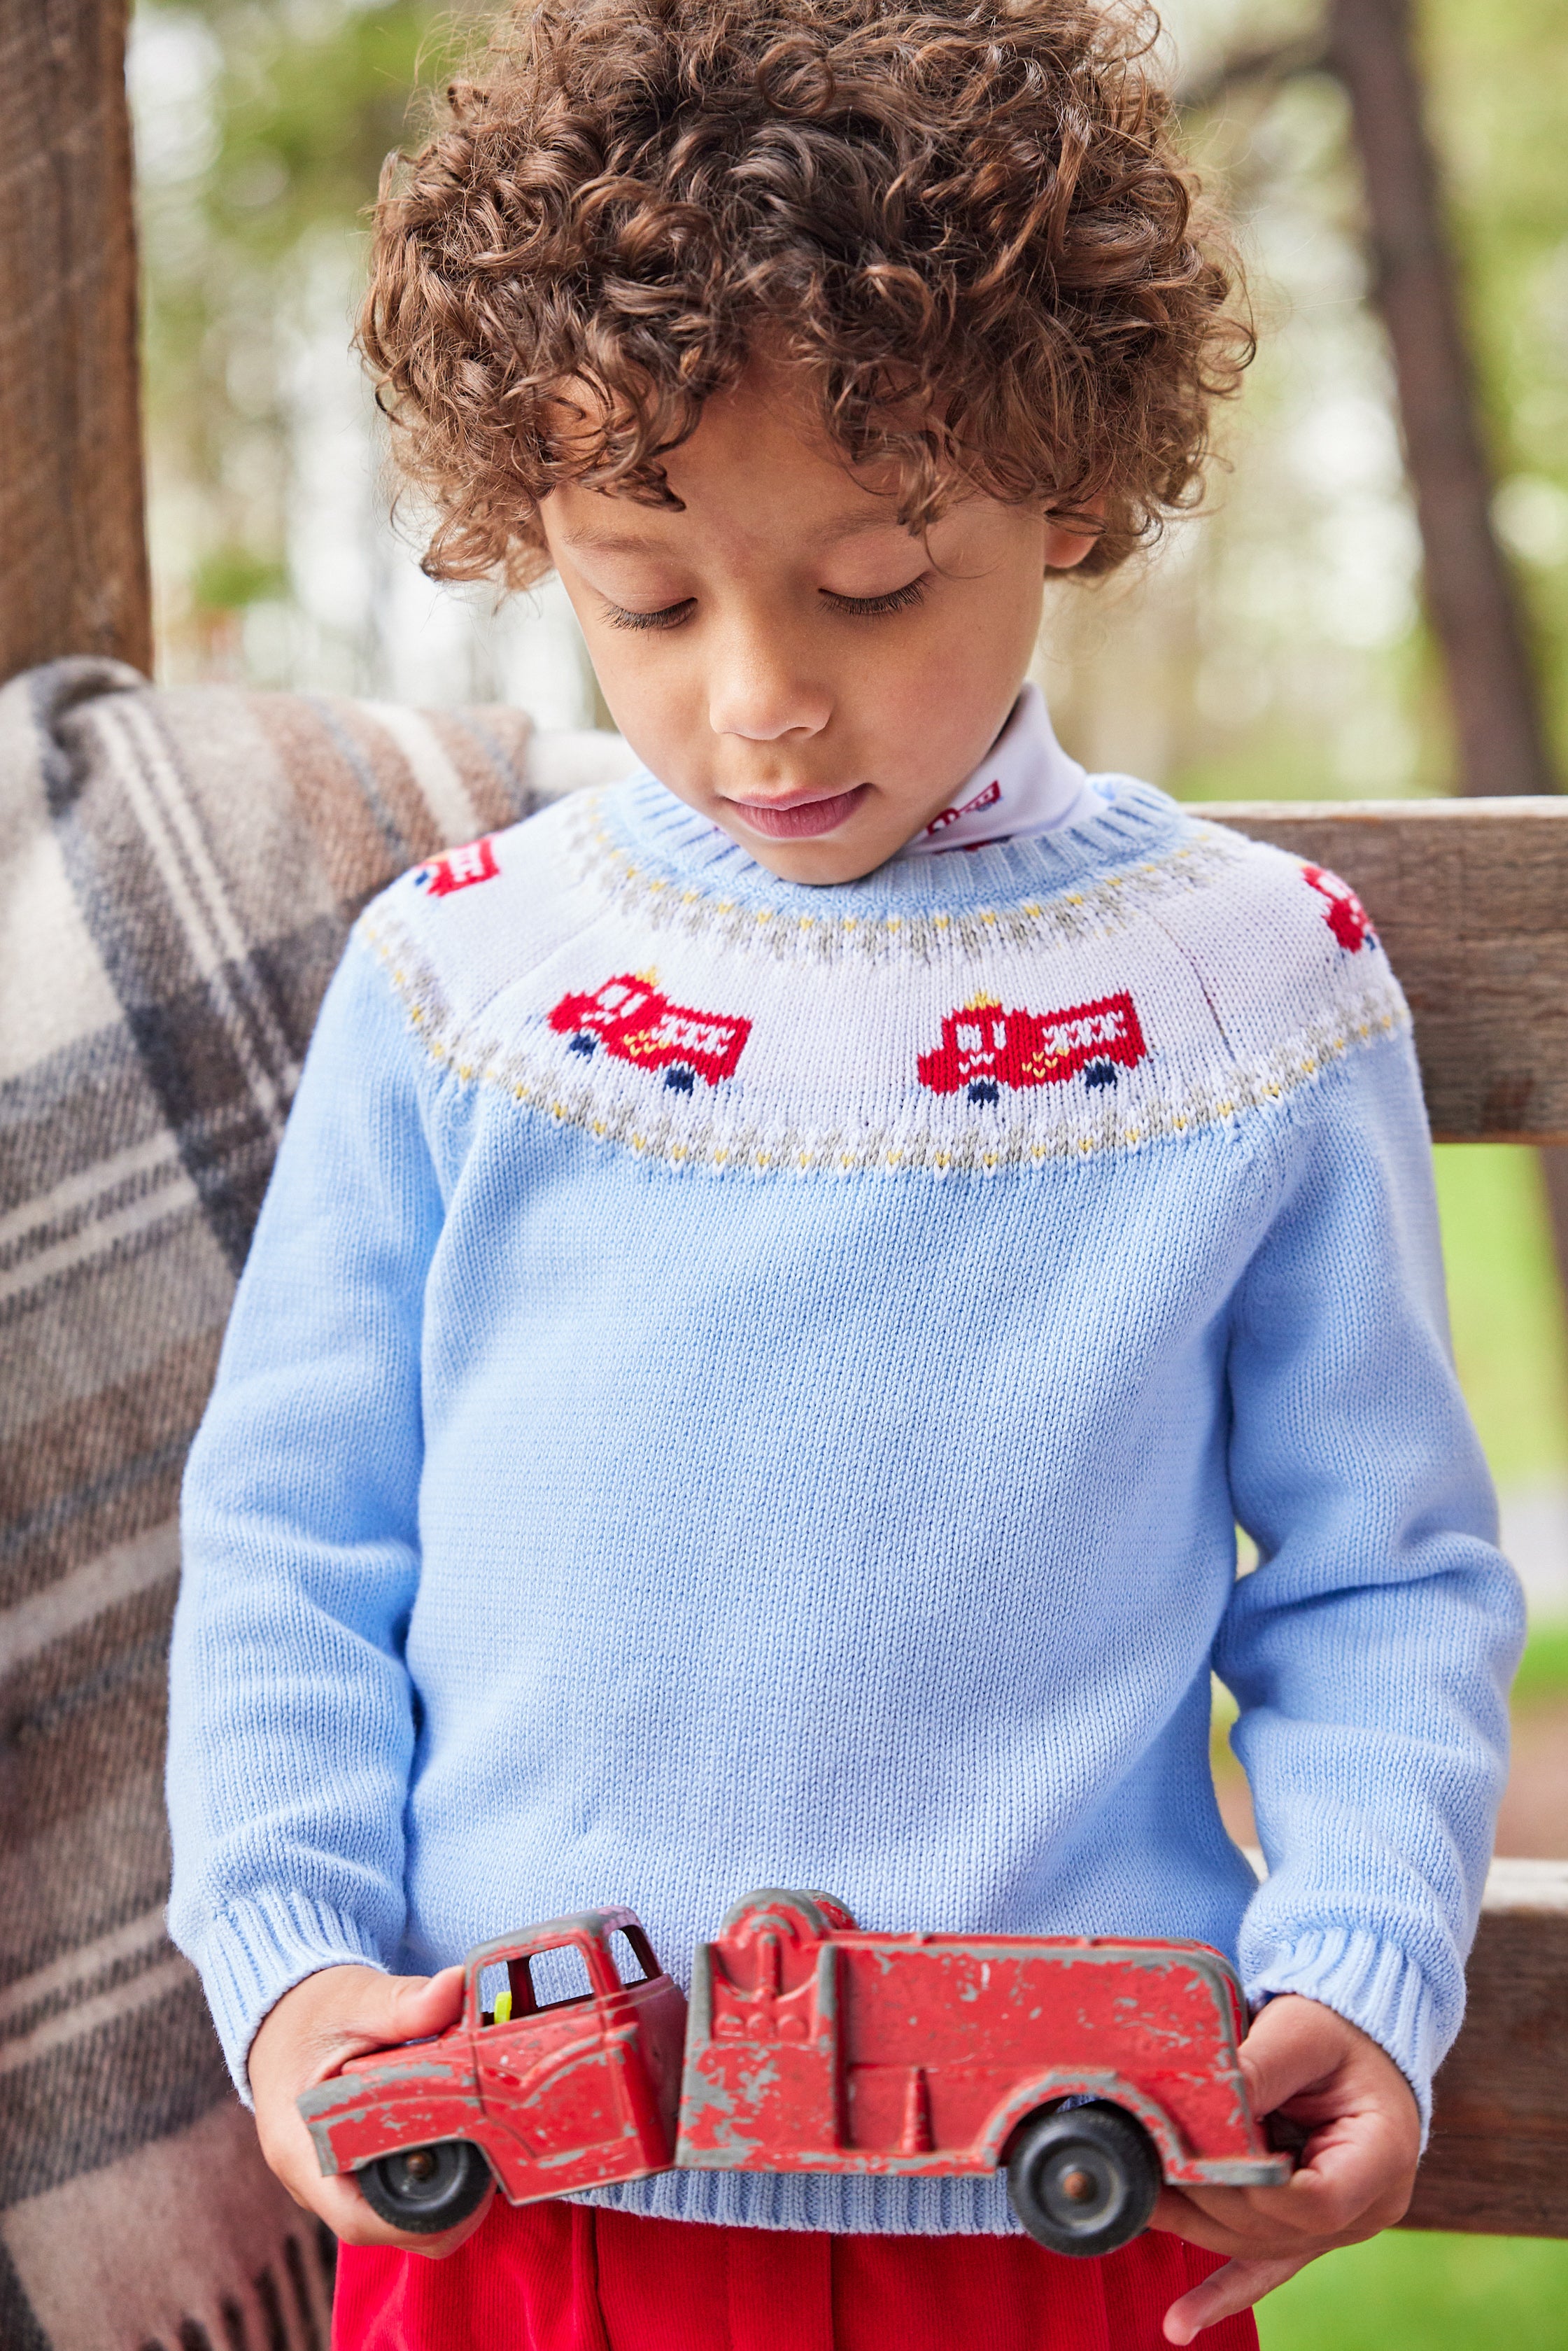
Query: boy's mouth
799,820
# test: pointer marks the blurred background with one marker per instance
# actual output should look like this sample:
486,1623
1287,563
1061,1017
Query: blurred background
1280,646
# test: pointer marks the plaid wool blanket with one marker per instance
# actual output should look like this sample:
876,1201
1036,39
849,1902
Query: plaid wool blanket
178,873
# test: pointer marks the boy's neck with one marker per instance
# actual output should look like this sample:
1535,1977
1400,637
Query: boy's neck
1024,786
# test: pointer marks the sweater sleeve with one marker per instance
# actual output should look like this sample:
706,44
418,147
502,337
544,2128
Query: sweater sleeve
1371,1649
292,1725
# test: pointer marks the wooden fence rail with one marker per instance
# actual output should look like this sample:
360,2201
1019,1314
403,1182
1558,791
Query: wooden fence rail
1499,2157
1470,900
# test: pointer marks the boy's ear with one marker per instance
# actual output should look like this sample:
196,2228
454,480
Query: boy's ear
1065,544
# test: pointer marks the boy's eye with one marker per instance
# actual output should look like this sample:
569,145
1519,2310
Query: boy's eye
897,600
670,616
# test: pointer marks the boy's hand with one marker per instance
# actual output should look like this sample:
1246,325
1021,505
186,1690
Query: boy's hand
1356,2173
338,2014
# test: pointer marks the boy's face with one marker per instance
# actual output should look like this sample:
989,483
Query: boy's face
781,654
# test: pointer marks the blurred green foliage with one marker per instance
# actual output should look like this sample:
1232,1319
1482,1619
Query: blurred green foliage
232,576
1543,1677
1505,1304
1412,2291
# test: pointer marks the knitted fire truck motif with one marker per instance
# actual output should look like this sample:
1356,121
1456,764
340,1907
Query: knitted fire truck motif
459,869
1346,915
629,1019
985,1047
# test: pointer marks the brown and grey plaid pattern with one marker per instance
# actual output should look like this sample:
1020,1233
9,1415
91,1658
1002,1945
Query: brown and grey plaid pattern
178,873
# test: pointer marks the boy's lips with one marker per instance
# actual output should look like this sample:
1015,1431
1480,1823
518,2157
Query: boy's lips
799,820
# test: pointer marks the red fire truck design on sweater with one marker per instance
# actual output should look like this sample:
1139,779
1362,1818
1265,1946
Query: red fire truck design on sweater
985,1047
628,1018
460,869
1346,915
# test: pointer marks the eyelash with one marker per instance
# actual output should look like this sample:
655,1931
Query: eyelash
867,608
862,608
670,617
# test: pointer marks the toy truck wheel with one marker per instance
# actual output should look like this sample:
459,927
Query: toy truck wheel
1083,2179
426,2188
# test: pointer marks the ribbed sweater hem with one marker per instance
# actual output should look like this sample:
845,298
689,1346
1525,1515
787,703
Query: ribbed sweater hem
260,1946
841,2204
1372,1984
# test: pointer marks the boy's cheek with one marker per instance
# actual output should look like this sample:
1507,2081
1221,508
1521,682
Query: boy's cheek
907,718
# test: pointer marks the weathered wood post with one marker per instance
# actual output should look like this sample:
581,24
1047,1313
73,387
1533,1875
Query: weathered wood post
73,553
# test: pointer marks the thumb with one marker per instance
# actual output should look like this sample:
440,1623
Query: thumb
386,2009
1292,2047
334,2014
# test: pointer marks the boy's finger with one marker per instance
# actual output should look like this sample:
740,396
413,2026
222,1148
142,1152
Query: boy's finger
372,2011
1337,2201
418,2005
1236,2287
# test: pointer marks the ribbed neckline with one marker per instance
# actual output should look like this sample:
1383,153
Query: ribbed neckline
1132,822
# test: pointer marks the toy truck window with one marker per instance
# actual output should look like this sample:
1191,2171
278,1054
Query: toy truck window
560,1976
493,1993
634,1959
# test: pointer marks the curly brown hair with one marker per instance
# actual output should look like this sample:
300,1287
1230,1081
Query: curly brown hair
964,224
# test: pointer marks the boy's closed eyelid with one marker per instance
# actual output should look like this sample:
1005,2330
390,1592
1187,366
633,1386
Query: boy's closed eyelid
891,599
670,616
667,616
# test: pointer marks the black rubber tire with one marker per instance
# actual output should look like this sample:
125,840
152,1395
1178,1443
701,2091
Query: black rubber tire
426,2188
1083,2179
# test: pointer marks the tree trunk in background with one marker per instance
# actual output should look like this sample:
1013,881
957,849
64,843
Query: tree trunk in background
73,555
1470,594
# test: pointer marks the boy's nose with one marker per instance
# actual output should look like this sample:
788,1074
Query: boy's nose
763,700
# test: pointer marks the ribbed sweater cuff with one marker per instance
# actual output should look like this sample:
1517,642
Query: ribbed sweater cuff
1371,1983
259,1948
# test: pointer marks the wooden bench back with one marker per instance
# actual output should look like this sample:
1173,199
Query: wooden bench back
1470,899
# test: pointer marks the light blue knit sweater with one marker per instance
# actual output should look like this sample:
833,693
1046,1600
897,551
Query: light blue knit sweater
738,1383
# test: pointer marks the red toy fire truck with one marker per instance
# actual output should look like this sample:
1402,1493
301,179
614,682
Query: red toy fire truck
544,2095
632,1020
985,1047
1090,2068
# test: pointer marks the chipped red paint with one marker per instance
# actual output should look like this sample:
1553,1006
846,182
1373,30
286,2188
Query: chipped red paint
815,2046
566,2096
632,1019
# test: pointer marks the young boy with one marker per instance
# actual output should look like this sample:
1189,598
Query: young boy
784,1275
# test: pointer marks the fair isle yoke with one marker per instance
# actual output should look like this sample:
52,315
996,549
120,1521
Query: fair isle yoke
626,970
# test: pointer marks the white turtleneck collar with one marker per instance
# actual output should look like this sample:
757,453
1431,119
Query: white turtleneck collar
1025,785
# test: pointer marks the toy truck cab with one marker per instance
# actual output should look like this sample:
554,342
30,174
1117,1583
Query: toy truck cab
1090,2068
567,2080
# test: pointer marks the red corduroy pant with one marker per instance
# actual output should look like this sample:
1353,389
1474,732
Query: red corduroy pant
566,2277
